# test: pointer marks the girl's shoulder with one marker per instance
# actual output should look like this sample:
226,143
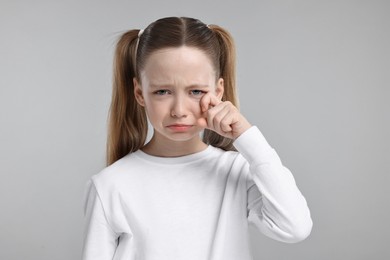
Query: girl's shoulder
112,174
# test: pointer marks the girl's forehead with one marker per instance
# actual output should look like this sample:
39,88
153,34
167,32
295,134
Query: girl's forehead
184,54
182,63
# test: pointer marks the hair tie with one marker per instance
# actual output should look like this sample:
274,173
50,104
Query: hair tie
140,32
139,36
136,46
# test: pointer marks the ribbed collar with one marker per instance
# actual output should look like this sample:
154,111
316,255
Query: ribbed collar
175,160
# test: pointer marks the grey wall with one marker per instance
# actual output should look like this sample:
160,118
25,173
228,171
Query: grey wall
313,75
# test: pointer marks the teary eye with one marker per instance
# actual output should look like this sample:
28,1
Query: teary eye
161,92
197,92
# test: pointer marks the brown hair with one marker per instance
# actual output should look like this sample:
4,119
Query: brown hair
127,127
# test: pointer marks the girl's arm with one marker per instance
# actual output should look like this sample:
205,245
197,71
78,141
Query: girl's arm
100,241
275,204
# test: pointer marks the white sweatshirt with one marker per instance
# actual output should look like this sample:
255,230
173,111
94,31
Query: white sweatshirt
196,206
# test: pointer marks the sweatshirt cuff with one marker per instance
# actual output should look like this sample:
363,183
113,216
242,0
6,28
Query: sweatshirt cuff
253,146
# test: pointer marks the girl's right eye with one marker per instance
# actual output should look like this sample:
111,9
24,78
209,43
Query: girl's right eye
161,92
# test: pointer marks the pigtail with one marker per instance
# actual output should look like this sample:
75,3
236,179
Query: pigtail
227,64
127,122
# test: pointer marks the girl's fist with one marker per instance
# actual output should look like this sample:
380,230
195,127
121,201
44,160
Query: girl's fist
222,117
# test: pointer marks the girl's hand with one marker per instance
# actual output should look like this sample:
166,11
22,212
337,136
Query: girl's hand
222,117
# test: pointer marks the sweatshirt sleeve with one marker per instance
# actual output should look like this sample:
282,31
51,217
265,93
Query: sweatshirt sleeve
100,241
275,205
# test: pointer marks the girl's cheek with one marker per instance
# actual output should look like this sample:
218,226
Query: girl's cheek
195,107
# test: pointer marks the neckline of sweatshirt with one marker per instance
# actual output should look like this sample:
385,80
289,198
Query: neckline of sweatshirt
190,158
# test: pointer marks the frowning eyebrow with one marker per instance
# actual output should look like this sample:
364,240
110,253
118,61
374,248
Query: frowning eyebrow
192,86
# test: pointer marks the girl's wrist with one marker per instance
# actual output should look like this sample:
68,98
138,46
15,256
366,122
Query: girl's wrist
241,129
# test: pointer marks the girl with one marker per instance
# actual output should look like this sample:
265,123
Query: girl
183,196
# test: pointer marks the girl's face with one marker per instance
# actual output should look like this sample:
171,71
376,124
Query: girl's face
173,82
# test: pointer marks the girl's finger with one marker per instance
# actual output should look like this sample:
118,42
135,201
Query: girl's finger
216,115
208,100
226,122
207,118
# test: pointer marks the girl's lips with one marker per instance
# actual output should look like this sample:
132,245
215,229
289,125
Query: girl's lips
179,127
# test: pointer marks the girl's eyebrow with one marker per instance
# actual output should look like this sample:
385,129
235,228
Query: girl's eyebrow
198,86
152,85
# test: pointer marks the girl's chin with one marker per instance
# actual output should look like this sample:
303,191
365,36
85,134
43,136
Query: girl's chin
178,135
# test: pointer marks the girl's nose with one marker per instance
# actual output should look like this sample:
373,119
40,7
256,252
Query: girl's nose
179,108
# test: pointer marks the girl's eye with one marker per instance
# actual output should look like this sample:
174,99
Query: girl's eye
161,92
197,92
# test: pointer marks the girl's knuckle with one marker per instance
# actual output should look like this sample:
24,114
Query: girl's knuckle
225,121
219,118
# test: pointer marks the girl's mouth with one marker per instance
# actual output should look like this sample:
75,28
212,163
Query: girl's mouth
179,127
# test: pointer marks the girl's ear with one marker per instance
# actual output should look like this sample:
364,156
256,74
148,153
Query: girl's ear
219,88
138,93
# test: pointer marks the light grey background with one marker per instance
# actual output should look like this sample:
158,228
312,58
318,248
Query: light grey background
312,75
